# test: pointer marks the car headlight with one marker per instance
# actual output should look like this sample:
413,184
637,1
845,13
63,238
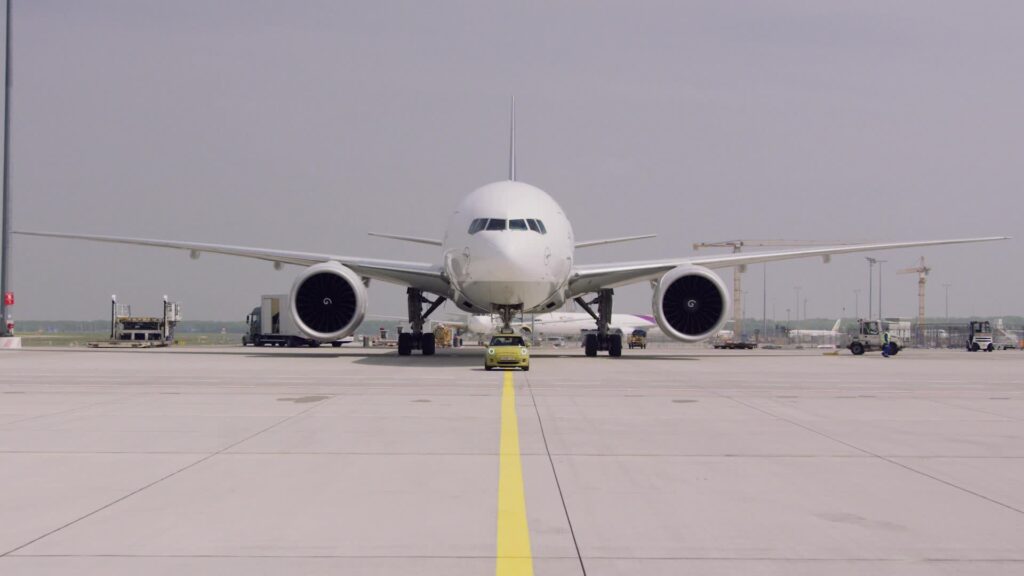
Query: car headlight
524,351
490,351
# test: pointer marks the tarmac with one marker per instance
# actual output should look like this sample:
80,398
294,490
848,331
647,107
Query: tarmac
665,461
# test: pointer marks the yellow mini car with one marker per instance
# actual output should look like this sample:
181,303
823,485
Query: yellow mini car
507,351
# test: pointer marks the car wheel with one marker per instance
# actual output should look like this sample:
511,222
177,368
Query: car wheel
857,348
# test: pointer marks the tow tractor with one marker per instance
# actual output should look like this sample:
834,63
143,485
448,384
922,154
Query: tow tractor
638,339
869,337
981,337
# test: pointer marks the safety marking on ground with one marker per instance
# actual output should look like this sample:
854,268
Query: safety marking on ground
514,557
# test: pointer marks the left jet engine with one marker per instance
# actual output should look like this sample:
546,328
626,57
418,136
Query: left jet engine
328,301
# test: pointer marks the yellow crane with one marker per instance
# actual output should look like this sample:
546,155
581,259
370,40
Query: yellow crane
922,278
737,246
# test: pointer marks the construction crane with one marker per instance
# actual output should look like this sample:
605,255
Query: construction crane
922,277
737,246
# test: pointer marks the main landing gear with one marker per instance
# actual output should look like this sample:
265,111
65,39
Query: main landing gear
602,340
418,340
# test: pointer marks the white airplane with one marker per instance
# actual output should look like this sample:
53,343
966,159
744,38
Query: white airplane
833,333
559,323
508,249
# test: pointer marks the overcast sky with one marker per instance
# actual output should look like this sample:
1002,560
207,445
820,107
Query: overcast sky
304,125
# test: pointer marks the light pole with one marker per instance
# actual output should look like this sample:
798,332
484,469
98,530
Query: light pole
946,286
764,300
805,309
6,294
113,313
880,262
856,302
796,309
871,287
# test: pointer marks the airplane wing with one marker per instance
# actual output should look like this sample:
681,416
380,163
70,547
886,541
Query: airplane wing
592,277
427,277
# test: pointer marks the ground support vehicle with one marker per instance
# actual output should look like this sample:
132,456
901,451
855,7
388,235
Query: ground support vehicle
638,339
271,324
980,337
728,345
869,338
507,351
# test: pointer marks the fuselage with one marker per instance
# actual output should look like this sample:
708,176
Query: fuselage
508,244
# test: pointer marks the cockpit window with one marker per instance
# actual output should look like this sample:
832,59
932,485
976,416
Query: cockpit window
523,224
477,225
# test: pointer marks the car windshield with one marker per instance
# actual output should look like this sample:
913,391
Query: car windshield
507,341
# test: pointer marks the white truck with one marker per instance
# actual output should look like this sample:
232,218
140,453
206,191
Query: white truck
869,337
271,324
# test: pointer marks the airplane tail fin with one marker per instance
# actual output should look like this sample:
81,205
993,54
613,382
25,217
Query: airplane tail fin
837,324
512,144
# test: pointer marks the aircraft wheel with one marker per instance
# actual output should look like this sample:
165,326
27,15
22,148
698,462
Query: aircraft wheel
404,344
614,345
427,343
590,345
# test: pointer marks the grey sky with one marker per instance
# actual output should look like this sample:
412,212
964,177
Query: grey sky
304,125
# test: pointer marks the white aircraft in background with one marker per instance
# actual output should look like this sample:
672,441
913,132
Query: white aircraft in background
833,333
509,249
558,324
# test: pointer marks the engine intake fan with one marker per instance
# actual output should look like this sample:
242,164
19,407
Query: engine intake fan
690,303
328,301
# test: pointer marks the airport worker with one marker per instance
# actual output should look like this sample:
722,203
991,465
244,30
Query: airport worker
885,343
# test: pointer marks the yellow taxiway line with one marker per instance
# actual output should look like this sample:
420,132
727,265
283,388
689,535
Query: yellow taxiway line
514,557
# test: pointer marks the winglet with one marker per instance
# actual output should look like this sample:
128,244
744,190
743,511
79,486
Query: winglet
512,144
835,328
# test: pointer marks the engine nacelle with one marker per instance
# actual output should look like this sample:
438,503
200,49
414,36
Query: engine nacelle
690,303
328,301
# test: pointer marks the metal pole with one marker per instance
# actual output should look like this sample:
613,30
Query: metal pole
856,302
764,301
946,286
880,262
113,313
5,234
871,288
796,310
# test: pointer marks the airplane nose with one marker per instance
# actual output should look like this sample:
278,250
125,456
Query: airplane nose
500,257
